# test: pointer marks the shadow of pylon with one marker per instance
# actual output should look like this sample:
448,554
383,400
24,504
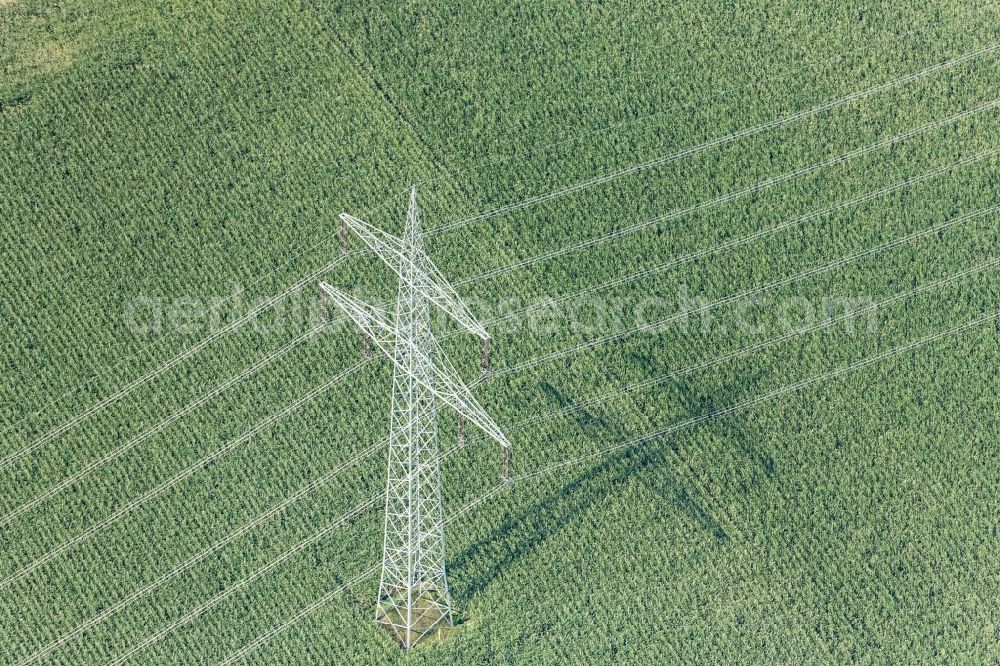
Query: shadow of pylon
698,401
520,534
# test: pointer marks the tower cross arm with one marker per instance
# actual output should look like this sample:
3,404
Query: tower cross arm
372,320
434,287
447,384
472,410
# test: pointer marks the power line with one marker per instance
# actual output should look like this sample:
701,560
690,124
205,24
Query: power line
815,270
674,262
764,344
299,616
696,101
616,282
720,141
751,402
71,480
229,591
732,196
183,355
201,556
746,239
193,561
315,275
122,511
159,370
516,427
546,358
743,405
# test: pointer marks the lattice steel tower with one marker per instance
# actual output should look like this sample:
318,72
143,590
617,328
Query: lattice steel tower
413,593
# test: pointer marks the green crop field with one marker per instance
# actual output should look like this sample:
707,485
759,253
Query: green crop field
738,262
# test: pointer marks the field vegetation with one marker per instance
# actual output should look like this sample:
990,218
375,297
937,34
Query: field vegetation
752,480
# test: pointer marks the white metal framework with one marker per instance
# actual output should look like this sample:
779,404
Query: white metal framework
413,593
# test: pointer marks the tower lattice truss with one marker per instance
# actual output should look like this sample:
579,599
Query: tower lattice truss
413,595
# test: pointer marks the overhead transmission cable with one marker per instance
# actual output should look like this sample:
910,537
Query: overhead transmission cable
638,441
589,344
145,378
516,427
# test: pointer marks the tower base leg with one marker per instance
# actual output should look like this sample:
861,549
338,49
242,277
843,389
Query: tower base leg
430,611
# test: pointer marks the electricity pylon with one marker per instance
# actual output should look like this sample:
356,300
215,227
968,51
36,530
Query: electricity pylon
413,592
